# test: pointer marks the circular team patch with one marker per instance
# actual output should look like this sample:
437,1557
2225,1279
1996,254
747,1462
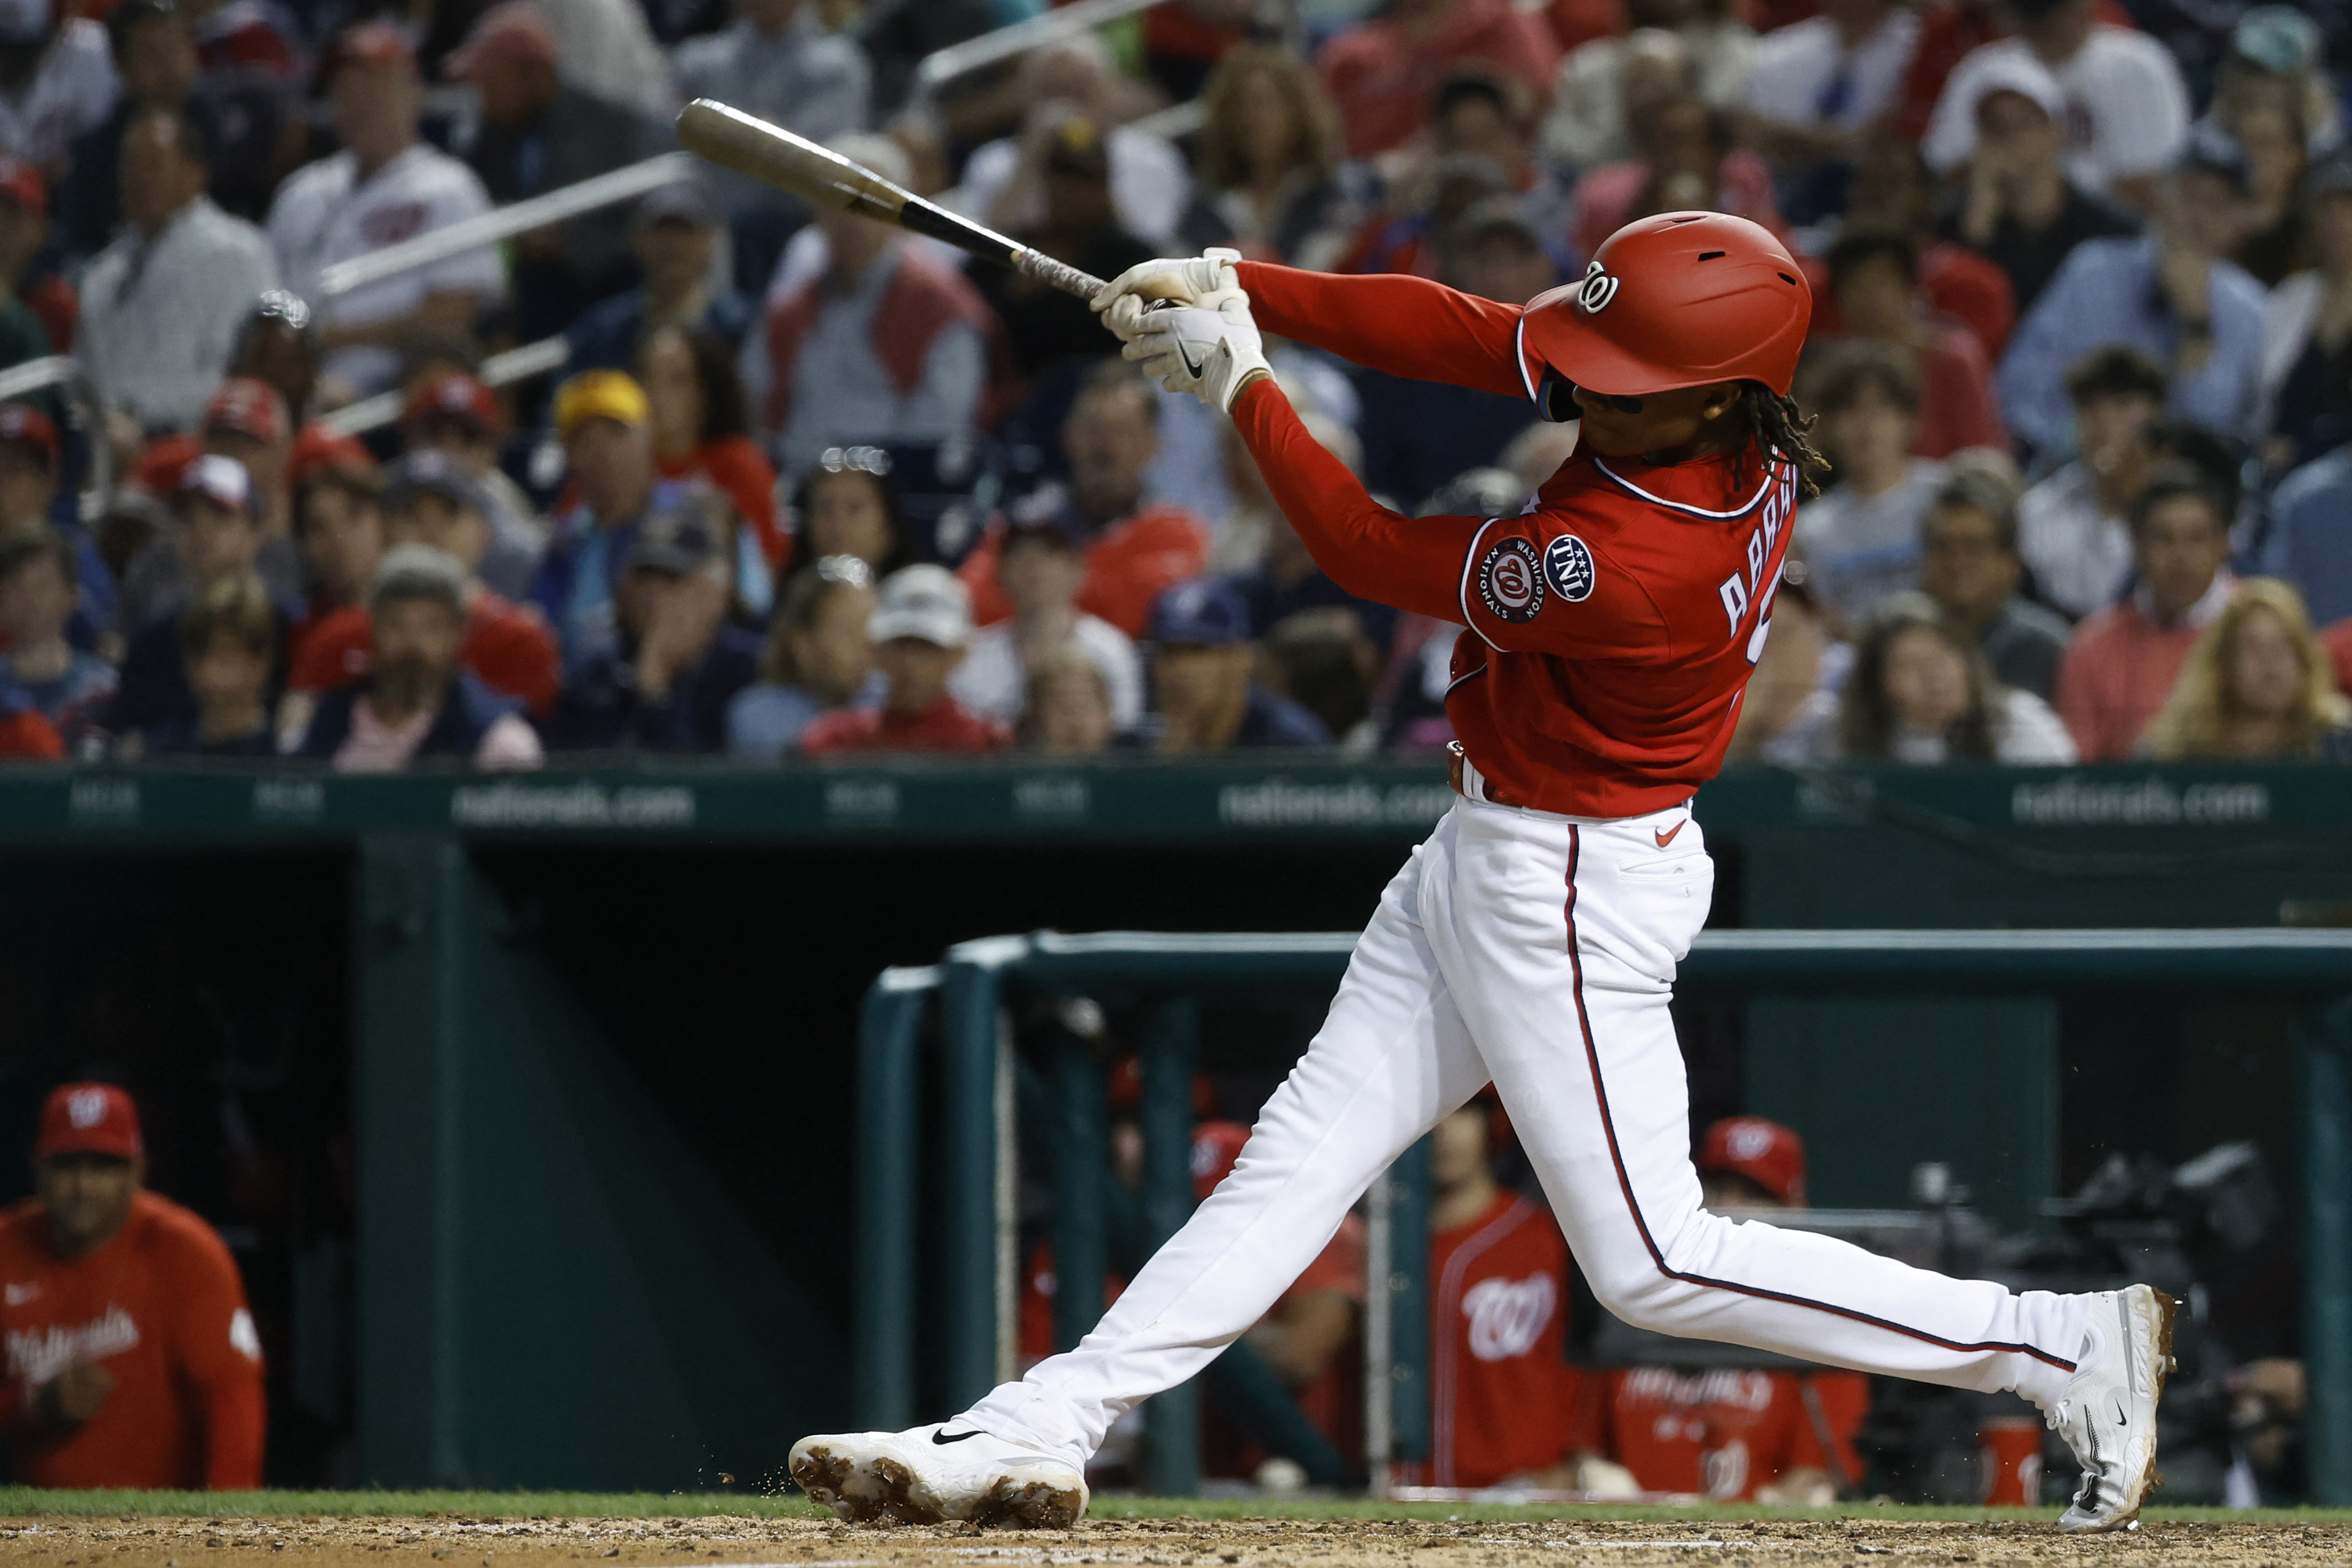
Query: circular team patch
1510,580
1568,566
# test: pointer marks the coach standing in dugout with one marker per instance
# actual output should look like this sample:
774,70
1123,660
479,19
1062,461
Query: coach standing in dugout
133,1361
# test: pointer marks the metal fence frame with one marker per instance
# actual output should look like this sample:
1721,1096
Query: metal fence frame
1125,967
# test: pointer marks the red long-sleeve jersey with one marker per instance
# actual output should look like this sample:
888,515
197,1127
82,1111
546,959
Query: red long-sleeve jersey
1611,628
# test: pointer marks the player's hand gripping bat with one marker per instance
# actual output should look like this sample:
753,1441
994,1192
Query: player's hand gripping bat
749,145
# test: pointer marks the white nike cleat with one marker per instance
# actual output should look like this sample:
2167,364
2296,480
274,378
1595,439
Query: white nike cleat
932,1474
2107,1414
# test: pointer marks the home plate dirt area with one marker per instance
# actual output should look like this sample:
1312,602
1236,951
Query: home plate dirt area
227,1541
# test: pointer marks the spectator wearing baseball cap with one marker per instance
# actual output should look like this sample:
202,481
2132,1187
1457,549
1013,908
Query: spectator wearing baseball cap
671,232
429,499
1202,675
921,629
38,579
2017,207
339,528
1042,567
384,186
2173,294
455,412
147,1368
229,646
538,134
219,539
603,421
162,305
818,658
680,664
417,702
1749,1162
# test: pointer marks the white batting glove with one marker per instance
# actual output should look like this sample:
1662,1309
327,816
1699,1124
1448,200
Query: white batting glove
1206,281
1209,353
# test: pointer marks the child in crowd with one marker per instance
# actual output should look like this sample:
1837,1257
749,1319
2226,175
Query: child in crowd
228,645
920,630
39,585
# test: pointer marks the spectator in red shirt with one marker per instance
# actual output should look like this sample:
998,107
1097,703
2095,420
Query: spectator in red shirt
339,528
133,1361
701,427
1874,278
1380,71
919,630
430,500
1109,438
2124,661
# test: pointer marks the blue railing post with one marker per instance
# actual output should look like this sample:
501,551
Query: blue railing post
2327,1254
889,1081
1172,1419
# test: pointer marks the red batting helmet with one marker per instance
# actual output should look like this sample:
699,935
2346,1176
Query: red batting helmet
1681,299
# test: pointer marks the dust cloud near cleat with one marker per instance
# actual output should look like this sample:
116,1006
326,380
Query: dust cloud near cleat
934,1473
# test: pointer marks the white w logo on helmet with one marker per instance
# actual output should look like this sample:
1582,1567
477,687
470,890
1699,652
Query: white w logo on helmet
1598,290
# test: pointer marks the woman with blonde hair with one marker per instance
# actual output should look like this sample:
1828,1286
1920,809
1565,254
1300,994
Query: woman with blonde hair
1270,160
2257,684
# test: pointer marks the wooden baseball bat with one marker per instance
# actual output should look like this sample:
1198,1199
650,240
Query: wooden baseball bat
749,145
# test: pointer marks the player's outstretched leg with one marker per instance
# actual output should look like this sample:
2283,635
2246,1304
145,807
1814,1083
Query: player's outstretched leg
1390,1058
2107,1413
935,1473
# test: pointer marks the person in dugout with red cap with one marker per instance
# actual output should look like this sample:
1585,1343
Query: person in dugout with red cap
1731,1434
133,1360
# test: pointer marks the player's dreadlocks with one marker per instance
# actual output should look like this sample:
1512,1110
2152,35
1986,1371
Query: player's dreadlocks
1785,432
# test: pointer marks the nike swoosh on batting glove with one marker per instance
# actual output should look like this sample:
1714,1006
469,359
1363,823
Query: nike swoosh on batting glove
1209,353
1206,281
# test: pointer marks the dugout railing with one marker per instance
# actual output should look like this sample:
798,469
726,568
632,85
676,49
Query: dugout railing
1168,974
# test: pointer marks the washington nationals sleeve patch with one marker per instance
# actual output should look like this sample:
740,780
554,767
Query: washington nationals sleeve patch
1568,566
1511,580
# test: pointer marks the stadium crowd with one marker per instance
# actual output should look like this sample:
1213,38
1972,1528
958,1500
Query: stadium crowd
805,485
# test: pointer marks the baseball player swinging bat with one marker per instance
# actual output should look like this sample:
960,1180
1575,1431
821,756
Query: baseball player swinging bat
1610,630
749,145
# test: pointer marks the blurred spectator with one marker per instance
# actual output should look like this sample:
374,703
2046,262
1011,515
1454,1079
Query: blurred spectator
1069,711
1801,657
1686,162
162,305
339,528
452,412
1418,434
885,345
246,421
430,500
1326,661
1134,550
1921,693
601,418
1970,568
2016,204
218,540
38,589
278,342
672,234
848,506
1282,578
2070,527
539,133
1818,87
1006,183
416,701
1427,198
898,34
606,47
2124,661
30,461
61,81
1875,280
2281,52
1675,47
2306,324
1860,540
2268,127
24,333
26,735
678,663
1272,184
1042,567
383,188
1380,72
701,430
818,658
2126,110
778,62
229,643
920,630
2308,543
1203,669
2256,686
2173,294
135,1361
1891,184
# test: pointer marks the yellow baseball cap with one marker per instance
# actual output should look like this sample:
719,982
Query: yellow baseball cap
599,395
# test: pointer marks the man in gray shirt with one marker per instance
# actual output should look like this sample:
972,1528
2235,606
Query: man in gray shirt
1970,568
1861,541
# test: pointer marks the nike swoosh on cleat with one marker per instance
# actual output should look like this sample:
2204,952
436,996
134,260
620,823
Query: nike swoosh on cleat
943,1439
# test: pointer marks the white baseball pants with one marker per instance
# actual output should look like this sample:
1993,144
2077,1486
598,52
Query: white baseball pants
1537,951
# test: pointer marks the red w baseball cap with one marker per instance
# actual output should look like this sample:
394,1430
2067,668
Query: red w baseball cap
22,422
1766,1153
453,394
248,406
1216,1149
89,1119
